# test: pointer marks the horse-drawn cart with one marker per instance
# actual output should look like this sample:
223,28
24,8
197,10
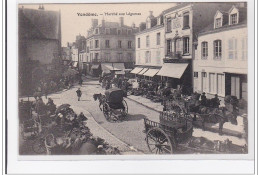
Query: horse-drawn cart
115,107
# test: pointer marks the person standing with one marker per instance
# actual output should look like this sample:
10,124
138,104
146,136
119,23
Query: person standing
79,93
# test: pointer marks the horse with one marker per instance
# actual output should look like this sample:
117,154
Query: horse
217,115
101,98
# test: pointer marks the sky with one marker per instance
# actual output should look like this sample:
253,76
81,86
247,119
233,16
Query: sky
72,24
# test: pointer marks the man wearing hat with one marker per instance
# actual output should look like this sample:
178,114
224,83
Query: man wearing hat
203,99
215,101
79,93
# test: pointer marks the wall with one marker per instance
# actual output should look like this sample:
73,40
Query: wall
42,50
153,48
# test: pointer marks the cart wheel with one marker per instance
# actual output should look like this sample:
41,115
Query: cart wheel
159,142
107,111
125,112
38,146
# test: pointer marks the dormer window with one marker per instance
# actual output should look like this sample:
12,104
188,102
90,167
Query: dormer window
233,19
148,23
96,31
119,31
218,23
107,31
233,16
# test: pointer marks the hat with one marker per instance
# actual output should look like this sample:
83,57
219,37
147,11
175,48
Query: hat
216,95
203,93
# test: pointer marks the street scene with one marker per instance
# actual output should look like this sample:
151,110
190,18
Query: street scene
170,79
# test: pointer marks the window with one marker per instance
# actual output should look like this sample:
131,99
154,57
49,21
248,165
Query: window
186,21
178,46
212,80
91,45
233,19
195,74
218,23
87,49
244,48
91,57
96,56
158,57
129,32
119,32
129,44
158,38
107,31
232,48
169,26
220,84
169,47
119,44
119,56
139,42
96,43
147,41
147,57
107,44
129,56
107,57
204,74
96,31
186,48
217,49
204,50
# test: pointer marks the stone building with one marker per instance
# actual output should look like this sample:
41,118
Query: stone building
110,44
39,47
221,65
150,44
182,24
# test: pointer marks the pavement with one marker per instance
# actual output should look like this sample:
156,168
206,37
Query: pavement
127,135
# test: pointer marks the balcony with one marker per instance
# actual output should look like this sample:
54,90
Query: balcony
173,55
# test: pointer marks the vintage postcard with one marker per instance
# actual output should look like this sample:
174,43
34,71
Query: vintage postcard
133,79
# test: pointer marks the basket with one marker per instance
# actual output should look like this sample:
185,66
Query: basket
49,143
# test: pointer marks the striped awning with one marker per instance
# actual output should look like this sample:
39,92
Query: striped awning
136,70
143,71
151,72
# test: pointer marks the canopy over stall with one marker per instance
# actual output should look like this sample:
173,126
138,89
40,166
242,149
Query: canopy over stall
106,67
120,72
119,66
174,70
151,72
136,70
143,71
95,66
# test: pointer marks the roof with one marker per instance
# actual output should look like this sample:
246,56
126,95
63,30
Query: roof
176,7
39,23
241,23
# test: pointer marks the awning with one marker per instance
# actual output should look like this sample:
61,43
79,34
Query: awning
151,72
75,64
119,66
174,70
136,70
119,72
95,66
143,71
106,67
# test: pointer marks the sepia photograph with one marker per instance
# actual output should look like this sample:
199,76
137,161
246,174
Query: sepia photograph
167,78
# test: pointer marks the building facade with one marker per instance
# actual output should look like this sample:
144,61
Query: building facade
182,24
110,42
39,47
150,43
221,65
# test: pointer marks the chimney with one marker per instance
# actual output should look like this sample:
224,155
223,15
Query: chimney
133,25
150,13
121,21
94,22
